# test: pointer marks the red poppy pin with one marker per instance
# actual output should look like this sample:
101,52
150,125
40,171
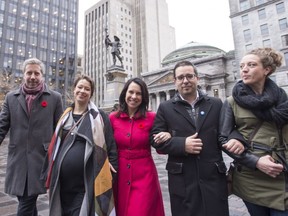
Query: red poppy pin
44,103
141,126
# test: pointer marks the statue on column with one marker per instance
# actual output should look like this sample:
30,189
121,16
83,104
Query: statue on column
115,51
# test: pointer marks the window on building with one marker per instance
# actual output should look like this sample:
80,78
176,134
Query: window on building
9,47
2,5
23,24
267,43
35,15
10,34
44,18
12,8
33,40
261,14
11,21
248,47
284,39
280,7
258,2
24,12
43,43
244,5
34,27
7,61
216,93
245,19
283,24
21,50
264,30
247,35
286,58
42,55
1,18
36,5
21,37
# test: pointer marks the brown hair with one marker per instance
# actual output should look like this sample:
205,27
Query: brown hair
81,77
268,57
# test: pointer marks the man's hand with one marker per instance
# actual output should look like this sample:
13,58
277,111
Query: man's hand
193,145
267,165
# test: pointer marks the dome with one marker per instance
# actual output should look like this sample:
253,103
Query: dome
192,50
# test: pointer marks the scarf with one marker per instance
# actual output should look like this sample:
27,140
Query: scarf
31,94
104,200
270,106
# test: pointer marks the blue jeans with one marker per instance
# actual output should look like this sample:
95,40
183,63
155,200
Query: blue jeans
257,210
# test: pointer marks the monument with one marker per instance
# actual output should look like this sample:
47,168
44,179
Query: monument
115,74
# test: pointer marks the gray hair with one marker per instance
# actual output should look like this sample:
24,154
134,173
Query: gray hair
34,61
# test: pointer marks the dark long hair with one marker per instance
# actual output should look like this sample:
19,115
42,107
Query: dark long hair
143,107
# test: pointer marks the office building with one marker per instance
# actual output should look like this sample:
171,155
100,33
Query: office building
143,30
261,23
45,29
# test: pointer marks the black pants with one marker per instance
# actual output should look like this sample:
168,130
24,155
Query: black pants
27,205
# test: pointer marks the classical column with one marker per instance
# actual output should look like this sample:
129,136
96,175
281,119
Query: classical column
167,95
157,99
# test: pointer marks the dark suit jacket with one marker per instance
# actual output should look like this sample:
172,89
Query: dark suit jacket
197,183
30,135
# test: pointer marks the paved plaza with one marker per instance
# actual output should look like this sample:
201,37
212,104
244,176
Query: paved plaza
8,205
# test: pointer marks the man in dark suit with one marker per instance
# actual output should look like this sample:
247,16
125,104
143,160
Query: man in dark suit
30,113
196,171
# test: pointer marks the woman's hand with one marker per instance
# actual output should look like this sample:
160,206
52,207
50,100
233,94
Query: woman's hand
112,168
267,165
234,146
161,137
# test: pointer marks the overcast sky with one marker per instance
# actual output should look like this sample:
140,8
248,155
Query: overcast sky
203,21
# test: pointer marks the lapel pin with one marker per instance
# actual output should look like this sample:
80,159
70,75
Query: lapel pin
202,113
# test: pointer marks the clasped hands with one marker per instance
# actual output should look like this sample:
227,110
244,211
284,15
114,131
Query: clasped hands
265,164
193,145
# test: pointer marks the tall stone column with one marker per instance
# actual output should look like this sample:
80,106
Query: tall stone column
115,77
167,95
157,99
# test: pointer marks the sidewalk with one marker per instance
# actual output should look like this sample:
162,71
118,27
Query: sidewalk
8,204
236,206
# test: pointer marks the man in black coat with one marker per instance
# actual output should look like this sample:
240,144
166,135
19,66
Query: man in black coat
196,171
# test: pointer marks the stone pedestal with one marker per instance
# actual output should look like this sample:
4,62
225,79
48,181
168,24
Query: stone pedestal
115,77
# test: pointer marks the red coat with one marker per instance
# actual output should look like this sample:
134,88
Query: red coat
138,188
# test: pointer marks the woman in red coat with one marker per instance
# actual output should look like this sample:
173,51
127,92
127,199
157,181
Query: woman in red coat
137,189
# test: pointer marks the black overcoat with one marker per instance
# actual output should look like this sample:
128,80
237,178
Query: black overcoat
197,182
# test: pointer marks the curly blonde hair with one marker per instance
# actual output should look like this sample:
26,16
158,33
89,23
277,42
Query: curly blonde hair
268,57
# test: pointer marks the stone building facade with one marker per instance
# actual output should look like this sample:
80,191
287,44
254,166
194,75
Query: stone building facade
217,72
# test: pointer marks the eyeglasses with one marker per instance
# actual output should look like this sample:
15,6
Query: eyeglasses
189,77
